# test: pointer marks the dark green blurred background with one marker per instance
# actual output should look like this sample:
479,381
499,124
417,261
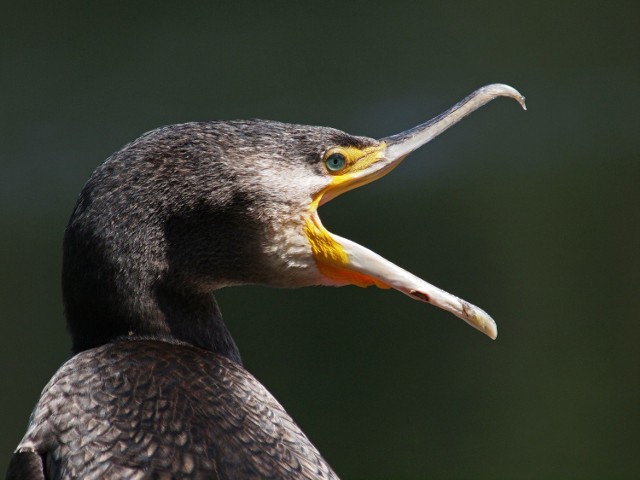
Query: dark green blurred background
533,216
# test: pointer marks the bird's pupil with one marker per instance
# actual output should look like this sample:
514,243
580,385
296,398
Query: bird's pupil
335,162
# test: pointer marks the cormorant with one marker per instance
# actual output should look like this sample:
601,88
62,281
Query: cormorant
156,387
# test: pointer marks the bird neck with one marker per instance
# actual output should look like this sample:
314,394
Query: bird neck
101,307
194,319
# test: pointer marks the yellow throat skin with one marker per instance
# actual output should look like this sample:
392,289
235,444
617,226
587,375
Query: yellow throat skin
332,260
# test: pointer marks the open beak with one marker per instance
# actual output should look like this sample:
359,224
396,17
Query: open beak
346,262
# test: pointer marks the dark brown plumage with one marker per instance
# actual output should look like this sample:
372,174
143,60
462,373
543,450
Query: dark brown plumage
139,408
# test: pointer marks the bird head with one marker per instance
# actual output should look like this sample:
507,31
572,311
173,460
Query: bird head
188,209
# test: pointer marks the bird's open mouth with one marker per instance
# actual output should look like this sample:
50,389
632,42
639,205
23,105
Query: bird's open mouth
343,262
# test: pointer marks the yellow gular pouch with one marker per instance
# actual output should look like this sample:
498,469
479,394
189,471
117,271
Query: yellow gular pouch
331,259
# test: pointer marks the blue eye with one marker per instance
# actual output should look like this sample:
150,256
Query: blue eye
335,162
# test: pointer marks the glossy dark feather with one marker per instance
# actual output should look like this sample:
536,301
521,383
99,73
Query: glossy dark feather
150,409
